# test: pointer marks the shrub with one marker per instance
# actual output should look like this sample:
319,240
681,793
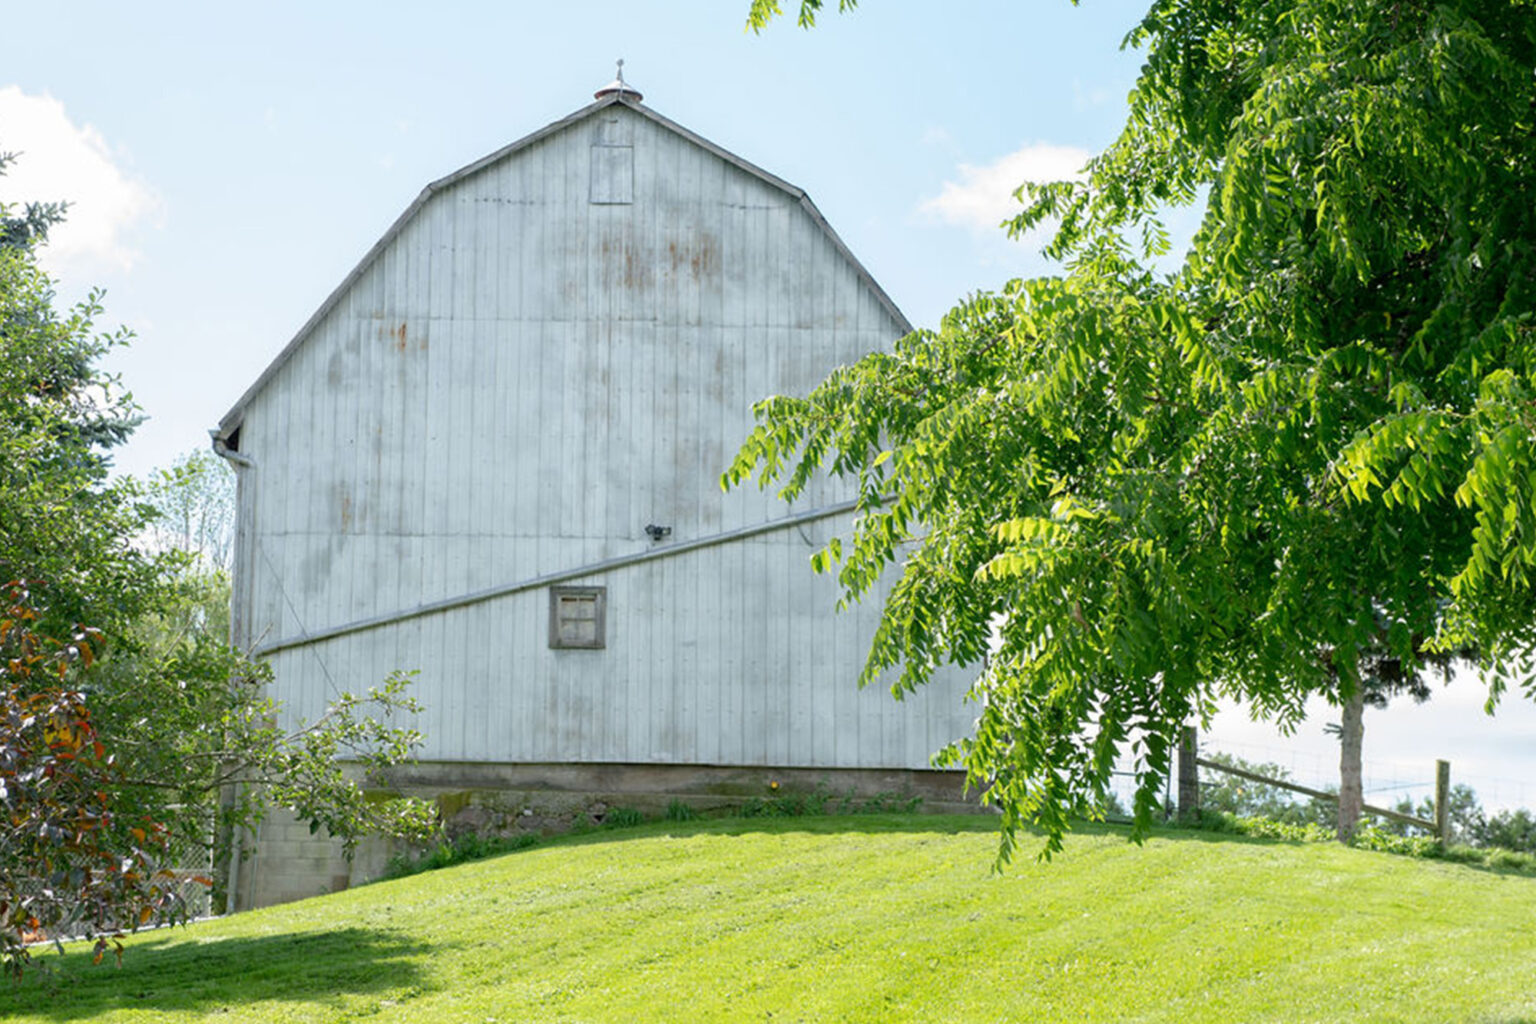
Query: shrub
467,847
788,805
1512,830
819,801
1512,860
1372,837
677,810
879,803
623,817
1260,827
1463,854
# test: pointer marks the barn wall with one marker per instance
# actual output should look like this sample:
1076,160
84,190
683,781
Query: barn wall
518,384
729,655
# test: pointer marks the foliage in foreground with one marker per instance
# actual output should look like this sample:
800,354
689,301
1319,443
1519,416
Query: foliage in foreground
72,863
122,733
1301,461
866,918
84,849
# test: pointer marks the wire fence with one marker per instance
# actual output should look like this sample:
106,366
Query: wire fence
194,871
191,866
1385,781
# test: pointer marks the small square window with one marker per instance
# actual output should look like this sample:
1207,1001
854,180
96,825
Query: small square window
577,616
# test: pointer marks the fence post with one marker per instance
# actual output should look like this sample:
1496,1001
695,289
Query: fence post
1189,774
1443,801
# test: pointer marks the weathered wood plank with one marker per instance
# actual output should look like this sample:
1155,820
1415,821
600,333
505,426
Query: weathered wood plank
523,381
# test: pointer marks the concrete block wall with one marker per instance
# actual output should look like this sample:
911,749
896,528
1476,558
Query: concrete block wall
286,862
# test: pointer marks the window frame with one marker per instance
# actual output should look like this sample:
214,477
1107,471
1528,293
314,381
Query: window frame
599,595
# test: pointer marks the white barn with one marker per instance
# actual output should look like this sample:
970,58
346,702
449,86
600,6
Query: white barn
493,456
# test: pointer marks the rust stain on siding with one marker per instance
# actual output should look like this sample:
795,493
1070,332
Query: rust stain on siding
395,335
638,271
706,258
627,262
701,258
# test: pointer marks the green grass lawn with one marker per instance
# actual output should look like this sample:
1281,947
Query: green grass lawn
850,919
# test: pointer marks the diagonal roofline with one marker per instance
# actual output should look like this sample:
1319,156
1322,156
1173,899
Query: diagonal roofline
232,419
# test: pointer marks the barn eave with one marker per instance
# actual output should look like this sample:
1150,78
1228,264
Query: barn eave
229,425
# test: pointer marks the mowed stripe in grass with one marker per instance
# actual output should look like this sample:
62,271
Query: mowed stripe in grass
878,919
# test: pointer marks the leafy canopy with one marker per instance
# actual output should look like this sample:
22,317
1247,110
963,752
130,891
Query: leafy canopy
1308,449
764,11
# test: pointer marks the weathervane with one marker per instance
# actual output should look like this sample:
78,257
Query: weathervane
618,85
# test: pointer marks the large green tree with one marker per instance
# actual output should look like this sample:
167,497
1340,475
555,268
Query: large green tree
61,518
1303,456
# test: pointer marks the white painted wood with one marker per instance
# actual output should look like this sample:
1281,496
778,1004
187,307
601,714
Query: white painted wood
518,381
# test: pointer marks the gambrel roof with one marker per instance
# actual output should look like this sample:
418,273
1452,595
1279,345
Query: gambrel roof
232,419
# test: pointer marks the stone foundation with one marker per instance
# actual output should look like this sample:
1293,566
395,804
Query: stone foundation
288,863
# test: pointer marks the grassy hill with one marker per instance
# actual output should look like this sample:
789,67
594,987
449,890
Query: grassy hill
850,919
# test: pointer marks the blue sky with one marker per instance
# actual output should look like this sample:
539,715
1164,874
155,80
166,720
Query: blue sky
229,164
267,148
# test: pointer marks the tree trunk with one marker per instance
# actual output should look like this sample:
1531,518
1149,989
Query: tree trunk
1189,774
1351,733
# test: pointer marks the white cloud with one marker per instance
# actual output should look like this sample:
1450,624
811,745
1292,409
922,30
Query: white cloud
58,160
983,197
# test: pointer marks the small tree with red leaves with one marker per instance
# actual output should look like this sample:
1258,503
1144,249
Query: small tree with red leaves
69,864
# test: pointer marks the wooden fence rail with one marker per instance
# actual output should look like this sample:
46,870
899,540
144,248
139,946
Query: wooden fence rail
1189,788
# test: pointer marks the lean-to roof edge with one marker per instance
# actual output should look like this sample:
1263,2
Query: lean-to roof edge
231,420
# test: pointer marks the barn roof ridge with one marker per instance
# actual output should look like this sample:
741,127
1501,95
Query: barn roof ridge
231,420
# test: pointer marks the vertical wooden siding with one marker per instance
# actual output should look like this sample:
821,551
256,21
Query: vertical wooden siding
519,384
